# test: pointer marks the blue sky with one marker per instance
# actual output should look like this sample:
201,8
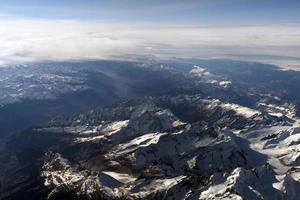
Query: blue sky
180,11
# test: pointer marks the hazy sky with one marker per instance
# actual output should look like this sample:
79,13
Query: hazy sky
63,29
193,11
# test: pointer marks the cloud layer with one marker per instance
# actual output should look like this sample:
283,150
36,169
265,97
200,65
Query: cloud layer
31,40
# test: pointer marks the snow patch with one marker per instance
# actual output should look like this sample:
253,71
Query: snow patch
240,110
123,178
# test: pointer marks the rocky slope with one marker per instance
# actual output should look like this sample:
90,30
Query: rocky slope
206,130
182,147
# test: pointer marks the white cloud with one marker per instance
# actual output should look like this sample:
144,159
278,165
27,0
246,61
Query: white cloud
29,40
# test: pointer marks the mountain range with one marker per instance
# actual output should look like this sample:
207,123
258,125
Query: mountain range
157,129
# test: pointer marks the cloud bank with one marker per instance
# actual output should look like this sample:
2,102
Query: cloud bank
35,40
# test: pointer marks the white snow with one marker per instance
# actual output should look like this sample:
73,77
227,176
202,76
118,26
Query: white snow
286,109
278,148
114,127
59,172
240,110
201,72
225,84
123,178
89,186
142,141
198,71
177,123
89,134
88,139
156,186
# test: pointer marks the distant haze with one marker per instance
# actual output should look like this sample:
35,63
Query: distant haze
30,40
